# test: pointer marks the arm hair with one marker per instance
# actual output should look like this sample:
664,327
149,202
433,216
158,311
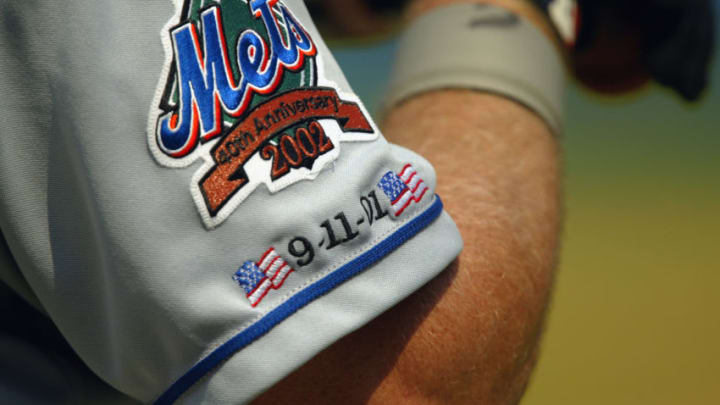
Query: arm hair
471,335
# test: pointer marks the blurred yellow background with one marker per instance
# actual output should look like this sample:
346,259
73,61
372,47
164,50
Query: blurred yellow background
635,317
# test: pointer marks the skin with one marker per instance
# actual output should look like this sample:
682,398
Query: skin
471,335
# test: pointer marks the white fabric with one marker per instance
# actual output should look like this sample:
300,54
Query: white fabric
111,243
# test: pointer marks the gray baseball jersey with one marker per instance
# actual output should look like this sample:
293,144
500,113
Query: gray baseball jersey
194,195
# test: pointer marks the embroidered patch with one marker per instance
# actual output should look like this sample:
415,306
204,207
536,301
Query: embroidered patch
256,279
403,189
243,89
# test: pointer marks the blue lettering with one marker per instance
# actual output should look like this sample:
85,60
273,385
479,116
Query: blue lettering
206,81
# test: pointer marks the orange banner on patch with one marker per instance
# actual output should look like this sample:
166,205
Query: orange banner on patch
263,123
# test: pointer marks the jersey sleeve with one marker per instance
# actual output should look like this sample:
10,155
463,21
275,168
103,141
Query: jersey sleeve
195,195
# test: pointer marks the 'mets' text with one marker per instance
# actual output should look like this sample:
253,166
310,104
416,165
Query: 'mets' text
206,84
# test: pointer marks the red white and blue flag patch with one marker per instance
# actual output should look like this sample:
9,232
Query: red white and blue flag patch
258,278
403,189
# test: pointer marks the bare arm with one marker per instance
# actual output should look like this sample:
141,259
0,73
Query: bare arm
471,335
498,173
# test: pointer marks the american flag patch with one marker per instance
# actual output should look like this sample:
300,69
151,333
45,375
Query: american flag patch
403,188
256,279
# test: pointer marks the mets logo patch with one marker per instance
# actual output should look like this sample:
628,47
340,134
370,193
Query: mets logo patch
244,91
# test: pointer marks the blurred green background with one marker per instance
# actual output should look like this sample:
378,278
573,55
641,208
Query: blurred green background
635,317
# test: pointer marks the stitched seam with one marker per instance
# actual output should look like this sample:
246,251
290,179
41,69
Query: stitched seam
334,266
220,354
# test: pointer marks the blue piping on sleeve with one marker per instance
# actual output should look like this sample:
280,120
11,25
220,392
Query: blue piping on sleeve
299,300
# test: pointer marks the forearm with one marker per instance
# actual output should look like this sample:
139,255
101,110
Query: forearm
469,336
498,174
496,160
